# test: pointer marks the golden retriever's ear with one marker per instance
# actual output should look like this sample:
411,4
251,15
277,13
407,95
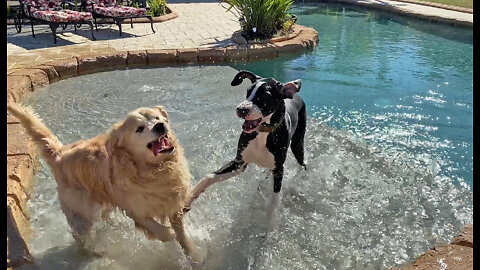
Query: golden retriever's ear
163,111
117,135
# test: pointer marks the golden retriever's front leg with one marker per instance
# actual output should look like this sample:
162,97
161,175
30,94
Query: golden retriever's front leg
183,238
152,228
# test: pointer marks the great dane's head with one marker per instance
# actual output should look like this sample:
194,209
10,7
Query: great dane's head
264,96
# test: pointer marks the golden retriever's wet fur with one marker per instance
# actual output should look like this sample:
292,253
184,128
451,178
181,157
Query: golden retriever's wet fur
119,169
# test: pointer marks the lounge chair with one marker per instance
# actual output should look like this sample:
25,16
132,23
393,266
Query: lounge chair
118,13
53,13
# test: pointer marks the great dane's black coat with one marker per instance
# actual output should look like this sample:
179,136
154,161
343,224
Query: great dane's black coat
275,117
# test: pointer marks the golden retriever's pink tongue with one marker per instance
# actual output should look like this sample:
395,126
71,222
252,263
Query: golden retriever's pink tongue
161,145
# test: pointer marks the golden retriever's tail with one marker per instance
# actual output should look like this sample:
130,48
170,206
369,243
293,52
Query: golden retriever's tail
48,143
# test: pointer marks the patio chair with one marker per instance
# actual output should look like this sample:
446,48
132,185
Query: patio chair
52,13
112,10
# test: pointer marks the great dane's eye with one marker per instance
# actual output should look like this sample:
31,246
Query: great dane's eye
140,129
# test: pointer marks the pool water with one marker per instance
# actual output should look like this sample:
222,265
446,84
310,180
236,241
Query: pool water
386,179
396,82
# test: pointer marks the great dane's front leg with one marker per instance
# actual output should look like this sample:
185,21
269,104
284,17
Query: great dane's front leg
229,170
274,204
183,238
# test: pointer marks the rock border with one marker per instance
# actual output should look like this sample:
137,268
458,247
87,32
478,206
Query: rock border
21,153
457,255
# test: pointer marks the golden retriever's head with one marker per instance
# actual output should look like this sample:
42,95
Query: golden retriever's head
146,133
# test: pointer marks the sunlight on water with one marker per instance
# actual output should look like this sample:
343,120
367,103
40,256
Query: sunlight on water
356,207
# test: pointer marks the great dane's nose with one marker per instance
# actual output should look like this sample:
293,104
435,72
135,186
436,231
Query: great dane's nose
242,111
159,128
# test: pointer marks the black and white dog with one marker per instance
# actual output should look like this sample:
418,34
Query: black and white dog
275,117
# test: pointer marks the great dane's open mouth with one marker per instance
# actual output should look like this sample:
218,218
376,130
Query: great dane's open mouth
250,126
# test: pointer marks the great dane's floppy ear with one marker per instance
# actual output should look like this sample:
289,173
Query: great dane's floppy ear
244,74
290,88
163,111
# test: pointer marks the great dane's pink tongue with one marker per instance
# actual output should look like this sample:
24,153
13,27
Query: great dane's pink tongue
249,125
161,145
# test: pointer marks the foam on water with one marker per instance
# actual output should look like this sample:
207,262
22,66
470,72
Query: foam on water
357,206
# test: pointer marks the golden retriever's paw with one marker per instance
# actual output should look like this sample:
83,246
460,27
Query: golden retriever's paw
167,235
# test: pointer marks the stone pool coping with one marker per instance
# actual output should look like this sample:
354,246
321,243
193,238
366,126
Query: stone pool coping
21,154
438,5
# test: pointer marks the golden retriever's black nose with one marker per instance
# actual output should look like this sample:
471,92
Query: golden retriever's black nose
159,128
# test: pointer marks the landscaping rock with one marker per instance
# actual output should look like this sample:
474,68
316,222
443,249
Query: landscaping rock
104,62
18,142
238,38
262,51
290,46
187,55
465,238
17,249
236,53
51,73
137,58
20,168
211,54
65,68
37,77
451,257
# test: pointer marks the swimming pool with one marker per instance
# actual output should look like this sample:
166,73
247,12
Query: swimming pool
400,83
389,122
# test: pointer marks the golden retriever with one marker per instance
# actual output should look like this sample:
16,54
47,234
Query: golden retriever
138,167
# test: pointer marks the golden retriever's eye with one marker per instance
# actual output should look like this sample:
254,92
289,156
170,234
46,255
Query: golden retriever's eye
140,129
158,118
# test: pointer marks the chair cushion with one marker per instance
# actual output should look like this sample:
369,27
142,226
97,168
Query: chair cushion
119,11
64,15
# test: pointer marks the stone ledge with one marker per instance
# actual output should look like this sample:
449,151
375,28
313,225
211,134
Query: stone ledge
101,62
451,257
456,256
18,87
403,12
18,142
438,5
37,77
18,253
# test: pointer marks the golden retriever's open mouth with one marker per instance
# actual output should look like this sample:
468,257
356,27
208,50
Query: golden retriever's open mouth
162,145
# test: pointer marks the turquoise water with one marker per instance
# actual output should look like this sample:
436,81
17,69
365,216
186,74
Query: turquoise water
403,84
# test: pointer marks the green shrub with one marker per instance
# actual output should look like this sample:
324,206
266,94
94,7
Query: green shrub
261,18
157,7
9,11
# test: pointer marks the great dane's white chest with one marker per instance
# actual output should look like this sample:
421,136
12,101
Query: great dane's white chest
257,152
